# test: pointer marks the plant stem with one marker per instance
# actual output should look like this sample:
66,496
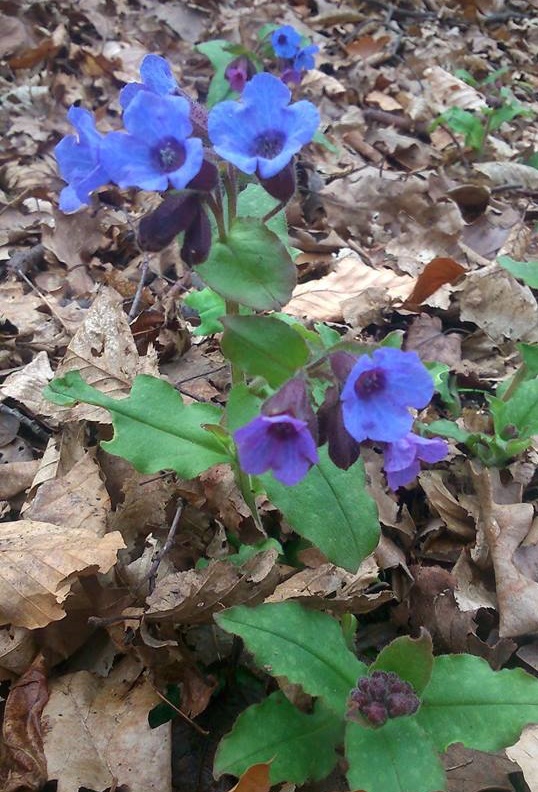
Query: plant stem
215,204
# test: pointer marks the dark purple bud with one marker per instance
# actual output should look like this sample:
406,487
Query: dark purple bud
158,228
206,179
292,398
402,704
197,241
343,449
341,365
239,71
376,713
282,185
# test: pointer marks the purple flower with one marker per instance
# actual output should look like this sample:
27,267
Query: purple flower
261,133
239,72
285,41
304,59
79,161
156,150
402,457
156,77
279,443
378,392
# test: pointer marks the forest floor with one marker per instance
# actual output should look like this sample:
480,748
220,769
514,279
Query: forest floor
400,228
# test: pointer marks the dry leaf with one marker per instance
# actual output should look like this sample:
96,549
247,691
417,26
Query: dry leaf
104,352
443,90
102,726
525,753
192,597
513,173
324,299
434,275
16,477
506,526
78,500
26,385
40,561
255,779
498,304
426,337
17,650
22,731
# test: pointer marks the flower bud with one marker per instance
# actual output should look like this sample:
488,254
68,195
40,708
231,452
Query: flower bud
282,185
158,228
239,71
197,241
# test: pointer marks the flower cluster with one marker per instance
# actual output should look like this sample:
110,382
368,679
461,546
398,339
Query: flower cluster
381,696
158,150
295,59
370,403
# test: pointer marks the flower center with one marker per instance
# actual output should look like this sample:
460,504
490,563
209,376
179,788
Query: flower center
282,431
369,383
268,144
169,154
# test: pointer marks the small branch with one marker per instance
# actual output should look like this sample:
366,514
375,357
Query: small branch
139,288
186,718
152,574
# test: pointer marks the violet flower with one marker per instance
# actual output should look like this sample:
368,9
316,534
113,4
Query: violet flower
279,443
261,132
156,151
378,392
79,160
156,77
402,457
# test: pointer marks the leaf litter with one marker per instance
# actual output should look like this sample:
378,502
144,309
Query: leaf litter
399,229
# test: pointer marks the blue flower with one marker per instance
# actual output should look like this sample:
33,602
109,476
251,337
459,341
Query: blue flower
378,392
156,150
402,457
279,443
304,59
79,161
156,77
261,132
285,41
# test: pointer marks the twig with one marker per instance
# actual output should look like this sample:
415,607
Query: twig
186,718
139,288
40,294
150,577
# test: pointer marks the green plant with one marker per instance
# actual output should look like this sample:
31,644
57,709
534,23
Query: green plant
455,698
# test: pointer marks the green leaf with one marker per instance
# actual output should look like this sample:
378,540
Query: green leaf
252,267
242,406
254,201
529,353
265,346
210,307
329,336
216,51
521,410
305,646
465,123
163,712
331,508
467,702
527,271
441,380
398,757
299,746
153,429
410,658
447,429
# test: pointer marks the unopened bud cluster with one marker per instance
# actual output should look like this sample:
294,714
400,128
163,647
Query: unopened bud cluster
381,696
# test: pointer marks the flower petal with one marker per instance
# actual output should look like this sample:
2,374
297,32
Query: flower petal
194,155
157,74
151,118
129,163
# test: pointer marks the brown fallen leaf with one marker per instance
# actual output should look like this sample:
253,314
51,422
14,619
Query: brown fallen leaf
434,275
498,304
78,500
477,771
17,650
22,732
505,526
330,587
102,726
325,299
525,753
255,779
40,562
16,477
192,597
426,337
457,517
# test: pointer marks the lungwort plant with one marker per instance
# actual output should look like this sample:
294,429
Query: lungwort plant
301,406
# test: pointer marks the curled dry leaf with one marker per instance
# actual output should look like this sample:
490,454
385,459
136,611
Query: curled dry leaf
17,650
39,563
513,173
104,352
22,733
505,527
328,298
499,305
329,586
192,597
16,477
525,753
444,90
78,500
102,726
26,385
